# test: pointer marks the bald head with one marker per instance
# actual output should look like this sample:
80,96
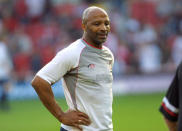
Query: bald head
91,10
96,25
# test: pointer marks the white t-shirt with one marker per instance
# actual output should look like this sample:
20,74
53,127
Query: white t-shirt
87,82
5,62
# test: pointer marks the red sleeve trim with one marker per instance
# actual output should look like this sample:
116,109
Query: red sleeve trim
168,111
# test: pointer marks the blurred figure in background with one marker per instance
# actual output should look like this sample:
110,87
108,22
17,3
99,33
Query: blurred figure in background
5,71
149,54
177,48
172,103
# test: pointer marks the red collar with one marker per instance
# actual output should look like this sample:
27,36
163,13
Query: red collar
90,44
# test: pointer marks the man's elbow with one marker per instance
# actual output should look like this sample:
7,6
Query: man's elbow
34,82
38,83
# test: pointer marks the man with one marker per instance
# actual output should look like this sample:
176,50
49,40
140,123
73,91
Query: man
171,106
5,72
86,69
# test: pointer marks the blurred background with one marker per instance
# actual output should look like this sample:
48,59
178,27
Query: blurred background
145,38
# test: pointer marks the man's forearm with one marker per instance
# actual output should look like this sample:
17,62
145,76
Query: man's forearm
171,125
45,94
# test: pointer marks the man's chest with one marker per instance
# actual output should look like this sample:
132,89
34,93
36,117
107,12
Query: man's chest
95,68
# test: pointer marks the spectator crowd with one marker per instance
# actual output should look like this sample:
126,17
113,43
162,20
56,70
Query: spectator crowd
146,35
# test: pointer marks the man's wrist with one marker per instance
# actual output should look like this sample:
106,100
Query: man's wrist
60,116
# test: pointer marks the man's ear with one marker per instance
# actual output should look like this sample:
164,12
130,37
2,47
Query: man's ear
83,26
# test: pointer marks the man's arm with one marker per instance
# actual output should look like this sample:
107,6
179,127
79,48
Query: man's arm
70,118
43,89
171,125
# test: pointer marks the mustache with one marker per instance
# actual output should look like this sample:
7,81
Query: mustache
102,33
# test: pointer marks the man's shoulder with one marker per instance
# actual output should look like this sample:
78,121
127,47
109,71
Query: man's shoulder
109,52
73,49
76,45
107,49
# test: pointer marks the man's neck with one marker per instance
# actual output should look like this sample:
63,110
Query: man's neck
91,43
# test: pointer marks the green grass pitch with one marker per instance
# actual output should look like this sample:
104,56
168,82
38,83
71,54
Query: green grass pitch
130,113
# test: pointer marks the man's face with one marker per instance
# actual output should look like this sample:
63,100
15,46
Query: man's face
97,26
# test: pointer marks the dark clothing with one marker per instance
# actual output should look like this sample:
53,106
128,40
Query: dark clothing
3,95
171,106
3,81
62,129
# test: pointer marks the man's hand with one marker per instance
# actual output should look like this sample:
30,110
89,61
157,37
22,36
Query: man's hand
75,119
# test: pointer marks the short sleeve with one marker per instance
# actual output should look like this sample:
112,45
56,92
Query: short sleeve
170,103
58,66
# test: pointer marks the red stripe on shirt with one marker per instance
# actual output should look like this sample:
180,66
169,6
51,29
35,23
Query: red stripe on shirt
91,45
168,111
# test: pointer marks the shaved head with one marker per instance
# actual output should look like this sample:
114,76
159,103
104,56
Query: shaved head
90,10
96,25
